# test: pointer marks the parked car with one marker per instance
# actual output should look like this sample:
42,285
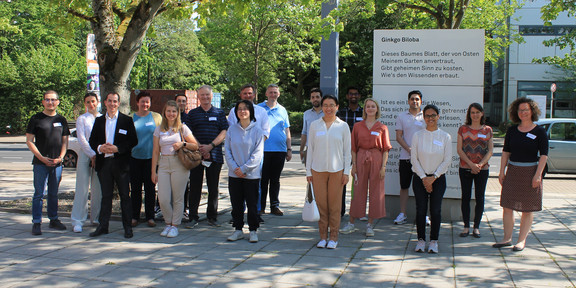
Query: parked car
562,143
71,157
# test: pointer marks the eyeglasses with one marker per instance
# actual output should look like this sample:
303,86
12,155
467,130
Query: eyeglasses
354,94
524,110
50,99
328,106
243,109
430,116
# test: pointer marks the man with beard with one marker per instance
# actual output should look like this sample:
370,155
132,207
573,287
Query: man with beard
310,116
350,115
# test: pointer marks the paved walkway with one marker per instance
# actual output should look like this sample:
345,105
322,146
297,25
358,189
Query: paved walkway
286,255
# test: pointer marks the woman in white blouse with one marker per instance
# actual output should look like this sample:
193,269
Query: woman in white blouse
327,168
431,156
171,176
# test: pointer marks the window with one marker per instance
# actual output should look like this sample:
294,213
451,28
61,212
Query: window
563,132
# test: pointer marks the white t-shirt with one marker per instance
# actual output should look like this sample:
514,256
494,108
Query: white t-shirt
170,137
409,124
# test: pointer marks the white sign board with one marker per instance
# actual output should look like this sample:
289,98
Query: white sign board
447,66
540,101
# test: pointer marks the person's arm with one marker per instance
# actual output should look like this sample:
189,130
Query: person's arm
401,141
155,157
384,162
447,159
303,141
488,155
288,144
63,150
255,159
416,166
347,155
310,150
32,147
81,127
473,167
189,139
503,163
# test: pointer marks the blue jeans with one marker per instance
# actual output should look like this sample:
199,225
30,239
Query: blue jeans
42,175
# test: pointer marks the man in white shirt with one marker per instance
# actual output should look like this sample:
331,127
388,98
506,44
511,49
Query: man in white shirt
407,123
310,116
86,178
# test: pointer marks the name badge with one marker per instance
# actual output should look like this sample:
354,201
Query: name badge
149,123
418,123
436,142
212,119
481,136
122,131
57,124
359,119
320,133
375,133
531,136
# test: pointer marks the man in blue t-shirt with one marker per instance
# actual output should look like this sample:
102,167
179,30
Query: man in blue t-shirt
47,138
277,149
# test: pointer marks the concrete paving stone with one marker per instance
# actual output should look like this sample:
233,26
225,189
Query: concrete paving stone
106,284
227,282
84,270
75,252
476,268
36,249
345,252
480,248
40,265
568,266
350,279
242,244
379,244
533,251
50,280
8,259
288,246
541,283
216,267
273,259
378,254
482,283
555,234
230,254
384,267
186,251
326,262
309,277
157,262
428,266
429,282
249,271
116,257
128,275
10,276
535,272
174,279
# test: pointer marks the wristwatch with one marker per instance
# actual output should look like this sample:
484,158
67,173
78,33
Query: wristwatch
213,145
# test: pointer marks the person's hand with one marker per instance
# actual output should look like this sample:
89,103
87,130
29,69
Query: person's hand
309,179
303,156
238,172
353,170
428,181
501,177
154,177
475,169
93,161
288,155
344,179
205,149
177,145
382,172
536,181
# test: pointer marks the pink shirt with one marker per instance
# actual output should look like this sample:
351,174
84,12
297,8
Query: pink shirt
364,138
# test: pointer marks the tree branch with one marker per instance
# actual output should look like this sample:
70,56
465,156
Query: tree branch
81,16
121,14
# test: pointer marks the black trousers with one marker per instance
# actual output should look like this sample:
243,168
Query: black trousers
466,180
272,167
244,191
422,197
194,196
114,172
141,173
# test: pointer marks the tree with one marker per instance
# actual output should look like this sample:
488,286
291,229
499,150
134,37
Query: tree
550,12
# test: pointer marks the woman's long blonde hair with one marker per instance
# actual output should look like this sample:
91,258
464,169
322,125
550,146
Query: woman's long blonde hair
178,123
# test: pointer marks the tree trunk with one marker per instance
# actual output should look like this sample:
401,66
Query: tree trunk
118,51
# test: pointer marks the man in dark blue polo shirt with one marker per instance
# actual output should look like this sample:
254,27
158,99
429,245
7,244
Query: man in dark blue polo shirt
209,125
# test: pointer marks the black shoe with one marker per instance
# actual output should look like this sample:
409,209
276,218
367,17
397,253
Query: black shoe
231,221
193,223
37,229
500,245
99,231
213,222
128,234
276,211
476,235
56,224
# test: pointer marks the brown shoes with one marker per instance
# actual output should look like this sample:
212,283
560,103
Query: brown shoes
276,211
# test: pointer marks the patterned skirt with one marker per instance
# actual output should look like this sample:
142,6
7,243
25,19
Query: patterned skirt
517,192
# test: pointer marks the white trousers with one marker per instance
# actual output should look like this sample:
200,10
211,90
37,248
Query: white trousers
86,181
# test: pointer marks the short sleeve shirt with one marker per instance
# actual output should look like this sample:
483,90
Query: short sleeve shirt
350,116
375,138
278,121
206,125
48,132
409,124
167,138
526,146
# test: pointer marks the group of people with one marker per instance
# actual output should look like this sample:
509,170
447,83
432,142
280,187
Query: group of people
338,145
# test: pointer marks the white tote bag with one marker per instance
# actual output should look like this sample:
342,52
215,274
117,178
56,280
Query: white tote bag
310,212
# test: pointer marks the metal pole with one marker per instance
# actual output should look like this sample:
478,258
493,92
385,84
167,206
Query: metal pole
329,57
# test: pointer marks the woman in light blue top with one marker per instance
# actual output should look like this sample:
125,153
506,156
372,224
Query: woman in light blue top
244,151
145,122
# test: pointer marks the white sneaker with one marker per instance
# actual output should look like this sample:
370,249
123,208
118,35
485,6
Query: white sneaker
253,237
321,244
173,232
420,246
364,218
433,247
349,228
369,231
77,228
166,230
237,235
401,219
332,244
428,221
